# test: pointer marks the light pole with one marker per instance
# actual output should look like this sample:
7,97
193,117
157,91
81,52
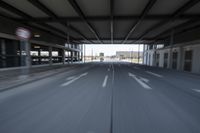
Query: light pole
138,53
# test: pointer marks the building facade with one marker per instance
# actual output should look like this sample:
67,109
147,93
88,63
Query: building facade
182,56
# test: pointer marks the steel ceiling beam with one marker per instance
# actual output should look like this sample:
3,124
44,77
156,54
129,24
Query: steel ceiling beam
112,21
107,18
173,17
177,29
144,13
16,11
47,11
120,38
78,10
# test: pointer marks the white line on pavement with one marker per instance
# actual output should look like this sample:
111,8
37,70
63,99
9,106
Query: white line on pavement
154,74
73,80
196,90
139,81
105,81
70,78
144,79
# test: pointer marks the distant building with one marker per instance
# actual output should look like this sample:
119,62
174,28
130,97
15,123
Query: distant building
128,54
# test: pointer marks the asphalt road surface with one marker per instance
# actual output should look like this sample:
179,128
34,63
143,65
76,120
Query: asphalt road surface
105,98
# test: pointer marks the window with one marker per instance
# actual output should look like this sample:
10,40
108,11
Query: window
174,60
188,60
165,60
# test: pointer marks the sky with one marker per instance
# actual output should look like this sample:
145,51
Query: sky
109,49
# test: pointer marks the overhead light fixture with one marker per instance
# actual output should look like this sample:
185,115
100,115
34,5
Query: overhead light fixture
36,35
36,46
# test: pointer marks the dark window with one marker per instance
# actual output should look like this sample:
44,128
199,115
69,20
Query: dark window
165,60
157,59
174,60
188,60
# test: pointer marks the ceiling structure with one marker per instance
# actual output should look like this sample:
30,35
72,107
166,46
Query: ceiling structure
106,21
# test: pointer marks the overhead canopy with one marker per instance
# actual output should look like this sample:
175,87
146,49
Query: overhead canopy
106,21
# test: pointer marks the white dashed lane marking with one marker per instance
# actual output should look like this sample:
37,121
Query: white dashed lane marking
105,81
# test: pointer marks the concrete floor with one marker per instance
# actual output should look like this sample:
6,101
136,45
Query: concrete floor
105,98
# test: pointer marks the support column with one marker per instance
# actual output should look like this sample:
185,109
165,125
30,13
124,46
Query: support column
78,58
3,53
72,56
139,54
143,54
180,58
39,56
75,55
84,53
63,56
50,56
170,51
82,56
28,54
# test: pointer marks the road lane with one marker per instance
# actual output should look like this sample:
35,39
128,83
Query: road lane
102,101
137,110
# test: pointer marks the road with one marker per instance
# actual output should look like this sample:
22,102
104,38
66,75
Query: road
105,98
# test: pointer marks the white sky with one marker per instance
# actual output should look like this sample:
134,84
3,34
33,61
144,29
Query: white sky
110,49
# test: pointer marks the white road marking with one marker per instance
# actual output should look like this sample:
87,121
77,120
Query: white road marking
154,74
70,78
105,81
144,79
140,81
196,90
73,80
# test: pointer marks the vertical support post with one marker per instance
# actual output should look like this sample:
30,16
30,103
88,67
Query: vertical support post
81,53
143,54
39,56
78,56
170,51
180,58
147,55
92,54
72,56
139,54
50,56
28,54
25,49
84,53
63,56
3,53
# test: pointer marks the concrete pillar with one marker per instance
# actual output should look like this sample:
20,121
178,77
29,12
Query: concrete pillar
72,56
82,56
170,51
63,56
143,54
78,58
154,58
28,54
180,58
39,56
50,56
3,53
84,53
